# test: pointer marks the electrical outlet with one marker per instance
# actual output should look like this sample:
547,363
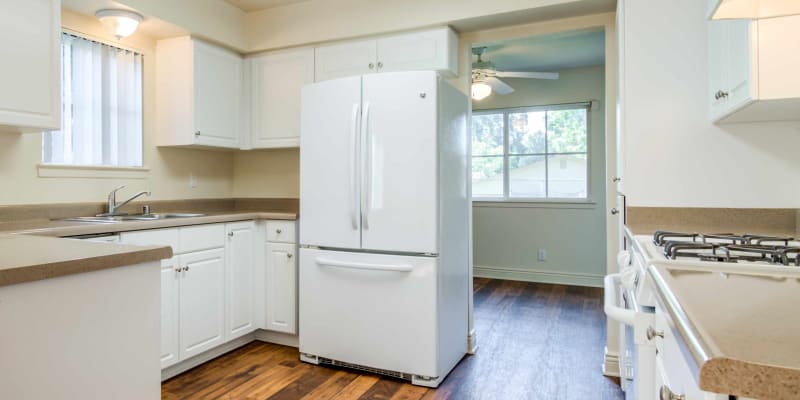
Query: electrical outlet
192,181
542,255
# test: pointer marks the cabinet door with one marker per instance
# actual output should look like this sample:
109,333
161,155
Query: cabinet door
739,64
239,265
433,50
202,301
717,67
217,96
276,80
345,59
169,312
30,47
281,283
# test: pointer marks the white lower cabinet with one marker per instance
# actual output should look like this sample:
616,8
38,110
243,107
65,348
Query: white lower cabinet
169,312
239,269
201,301
281,287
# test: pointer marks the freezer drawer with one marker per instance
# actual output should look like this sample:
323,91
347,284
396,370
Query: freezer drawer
372,310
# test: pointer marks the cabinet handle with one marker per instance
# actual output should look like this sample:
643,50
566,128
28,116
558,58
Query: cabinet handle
720,95
616,179
371,66
186,268
197,133
380,65
230,234
178,269
278,231
288,255
666,394
652,333
614,211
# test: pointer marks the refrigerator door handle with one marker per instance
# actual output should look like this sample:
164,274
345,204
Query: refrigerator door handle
366,266
354,201
366,168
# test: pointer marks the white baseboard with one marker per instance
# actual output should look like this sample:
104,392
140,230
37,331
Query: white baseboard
541,276
260,335
610,363
278,338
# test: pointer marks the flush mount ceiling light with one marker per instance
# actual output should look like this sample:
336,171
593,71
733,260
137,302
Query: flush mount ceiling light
754,9
121,23
480,90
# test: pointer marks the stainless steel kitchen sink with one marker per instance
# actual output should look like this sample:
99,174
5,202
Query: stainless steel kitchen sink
134,217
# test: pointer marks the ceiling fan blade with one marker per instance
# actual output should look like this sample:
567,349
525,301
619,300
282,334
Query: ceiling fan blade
532,75
499,86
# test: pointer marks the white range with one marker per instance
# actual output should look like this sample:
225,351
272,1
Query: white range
384,274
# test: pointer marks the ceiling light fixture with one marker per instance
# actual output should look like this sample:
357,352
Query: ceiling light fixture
121,23
480,90
754,9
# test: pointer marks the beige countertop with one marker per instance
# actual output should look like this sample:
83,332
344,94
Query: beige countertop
35,249
741,326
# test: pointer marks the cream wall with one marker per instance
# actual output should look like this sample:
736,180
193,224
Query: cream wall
168,177
506,237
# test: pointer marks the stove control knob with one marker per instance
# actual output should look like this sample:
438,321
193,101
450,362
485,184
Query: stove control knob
666,394
652,333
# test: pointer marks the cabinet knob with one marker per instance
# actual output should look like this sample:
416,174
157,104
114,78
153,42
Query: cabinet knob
186,268
197,133
178,269
652,333
614,211
720,95
230,234
371,66
616,179
666,394
380,65
288,255
278,231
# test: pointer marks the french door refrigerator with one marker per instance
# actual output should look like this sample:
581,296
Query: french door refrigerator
384,225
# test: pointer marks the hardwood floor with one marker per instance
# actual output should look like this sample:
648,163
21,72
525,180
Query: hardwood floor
537,341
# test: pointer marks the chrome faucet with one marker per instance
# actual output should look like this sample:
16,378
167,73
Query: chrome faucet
113,205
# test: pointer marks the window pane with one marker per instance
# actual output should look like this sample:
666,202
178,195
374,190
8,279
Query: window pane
487,176
487,135
526,132
566,131
526,176
566,174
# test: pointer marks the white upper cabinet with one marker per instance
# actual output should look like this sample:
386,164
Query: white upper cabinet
432,50
345,59
275,80
30,50
199,94
753,69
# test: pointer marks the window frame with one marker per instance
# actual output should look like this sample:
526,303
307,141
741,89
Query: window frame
55,170
505,198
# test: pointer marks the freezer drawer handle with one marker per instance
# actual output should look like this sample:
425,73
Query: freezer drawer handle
367,266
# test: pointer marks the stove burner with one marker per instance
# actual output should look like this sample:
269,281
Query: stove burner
728,247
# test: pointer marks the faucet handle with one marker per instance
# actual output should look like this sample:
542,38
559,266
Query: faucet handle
119,188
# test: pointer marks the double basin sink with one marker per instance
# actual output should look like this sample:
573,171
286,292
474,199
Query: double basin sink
133,217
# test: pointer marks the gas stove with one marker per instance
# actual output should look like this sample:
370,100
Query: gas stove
727,248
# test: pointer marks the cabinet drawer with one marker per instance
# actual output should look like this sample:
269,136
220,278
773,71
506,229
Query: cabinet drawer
168,237
281,231
201,237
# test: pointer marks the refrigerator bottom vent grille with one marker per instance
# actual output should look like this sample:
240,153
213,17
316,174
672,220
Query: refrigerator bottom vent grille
386,372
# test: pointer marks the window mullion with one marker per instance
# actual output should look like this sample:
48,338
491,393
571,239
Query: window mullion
546,158
506,178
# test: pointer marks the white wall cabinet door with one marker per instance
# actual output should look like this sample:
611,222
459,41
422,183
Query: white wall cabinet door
739,64
281,287
202,301
170,349
217,95
275,83
345,59
419,51
30,47
239,274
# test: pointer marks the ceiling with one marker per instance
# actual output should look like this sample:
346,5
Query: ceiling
255,5
547,53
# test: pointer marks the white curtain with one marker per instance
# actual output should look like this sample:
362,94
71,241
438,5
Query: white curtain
101,120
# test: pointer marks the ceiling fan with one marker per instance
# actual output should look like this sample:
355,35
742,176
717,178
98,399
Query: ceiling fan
485,77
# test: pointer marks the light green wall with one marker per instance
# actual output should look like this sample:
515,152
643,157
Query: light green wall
507,237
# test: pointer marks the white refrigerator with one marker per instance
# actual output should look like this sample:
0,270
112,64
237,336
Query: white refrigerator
384,274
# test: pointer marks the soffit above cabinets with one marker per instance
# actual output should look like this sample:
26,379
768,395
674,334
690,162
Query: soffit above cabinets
752,9
257,5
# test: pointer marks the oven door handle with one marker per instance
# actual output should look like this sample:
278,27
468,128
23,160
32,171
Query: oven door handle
612,309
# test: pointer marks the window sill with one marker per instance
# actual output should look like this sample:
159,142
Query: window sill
586,204
91,171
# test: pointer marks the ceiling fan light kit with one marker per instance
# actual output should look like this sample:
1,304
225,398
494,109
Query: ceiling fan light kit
480,90
485,77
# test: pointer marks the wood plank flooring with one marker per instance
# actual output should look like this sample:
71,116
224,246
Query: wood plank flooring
536,341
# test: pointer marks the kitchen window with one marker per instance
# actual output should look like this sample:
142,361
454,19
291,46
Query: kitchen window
531,153
101,97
